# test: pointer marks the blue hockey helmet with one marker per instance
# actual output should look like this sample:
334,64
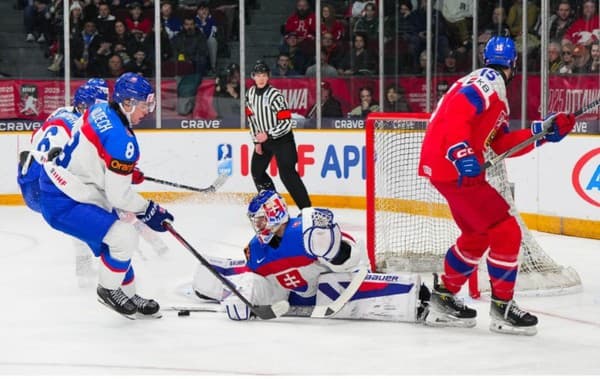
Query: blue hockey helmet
134,87
267,211
100,84
500,51
86,96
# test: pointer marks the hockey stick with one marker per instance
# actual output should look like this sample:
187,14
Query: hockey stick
264,312
212,188
334,307
547,128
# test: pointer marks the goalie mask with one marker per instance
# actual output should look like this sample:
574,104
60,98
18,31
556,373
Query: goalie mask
267,211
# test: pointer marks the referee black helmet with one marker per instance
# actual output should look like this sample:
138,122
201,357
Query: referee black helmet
261,67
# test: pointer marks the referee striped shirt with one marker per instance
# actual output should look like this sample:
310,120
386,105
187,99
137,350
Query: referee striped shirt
267,112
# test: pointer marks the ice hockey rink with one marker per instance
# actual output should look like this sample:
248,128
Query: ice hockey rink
50,326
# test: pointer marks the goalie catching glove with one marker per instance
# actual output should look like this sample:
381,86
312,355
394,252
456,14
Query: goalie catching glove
154,216
562,124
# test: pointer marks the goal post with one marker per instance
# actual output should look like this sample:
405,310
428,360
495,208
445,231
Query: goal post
409,226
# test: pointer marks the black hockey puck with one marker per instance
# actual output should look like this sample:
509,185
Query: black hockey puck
183,312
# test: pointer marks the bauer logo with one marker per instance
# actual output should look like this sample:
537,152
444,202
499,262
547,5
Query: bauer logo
224,159
586,177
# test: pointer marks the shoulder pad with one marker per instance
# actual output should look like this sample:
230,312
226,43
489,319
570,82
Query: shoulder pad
488,82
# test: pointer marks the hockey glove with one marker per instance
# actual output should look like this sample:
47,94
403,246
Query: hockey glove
236,309
154,216
562,124
137,177
464,160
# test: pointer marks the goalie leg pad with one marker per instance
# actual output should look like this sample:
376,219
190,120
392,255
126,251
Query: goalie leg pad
385,297
207,286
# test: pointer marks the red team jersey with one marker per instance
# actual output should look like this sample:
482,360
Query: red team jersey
474,110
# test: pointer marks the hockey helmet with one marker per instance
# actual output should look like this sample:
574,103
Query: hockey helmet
261,67
86,96
500,51
267,211
101,85
134,87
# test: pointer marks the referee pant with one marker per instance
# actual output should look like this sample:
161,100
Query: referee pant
284,150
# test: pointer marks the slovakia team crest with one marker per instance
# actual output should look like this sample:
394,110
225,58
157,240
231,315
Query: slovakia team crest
586,177
29,103
292,280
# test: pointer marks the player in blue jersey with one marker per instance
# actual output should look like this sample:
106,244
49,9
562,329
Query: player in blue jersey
307,260
84,187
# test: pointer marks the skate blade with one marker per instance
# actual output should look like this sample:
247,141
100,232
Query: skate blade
437,319
141,316
506,328
129,317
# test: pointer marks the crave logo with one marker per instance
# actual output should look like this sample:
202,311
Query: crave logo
586,177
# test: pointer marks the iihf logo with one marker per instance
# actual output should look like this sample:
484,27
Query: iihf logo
586,177
224,159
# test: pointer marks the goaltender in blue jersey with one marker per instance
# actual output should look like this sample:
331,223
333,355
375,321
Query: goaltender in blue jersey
308,261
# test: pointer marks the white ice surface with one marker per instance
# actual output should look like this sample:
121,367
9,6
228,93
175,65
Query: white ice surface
48,325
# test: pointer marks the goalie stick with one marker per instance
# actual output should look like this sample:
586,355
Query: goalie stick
264,312
212,188
334,307
547,128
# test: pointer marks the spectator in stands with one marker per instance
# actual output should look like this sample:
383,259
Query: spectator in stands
367,104
368,24
90,10
122,36
357,10
458,15
554,59
451,63
226,99
37,21
166,49
139,64
282,67
298,60
138,25
422,63
394,100
121,51
499,26
416,43
171,23
582,31
190,46
105,21
334,52
83,51
566,54
302,22
330,24
330,106
358,61
595,60
514,21
207,25
561,21
128,3
103,53
76,20
581,60
327,70
115,67
482,41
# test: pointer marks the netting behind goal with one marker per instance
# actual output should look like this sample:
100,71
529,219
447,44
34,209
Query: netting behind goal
409,227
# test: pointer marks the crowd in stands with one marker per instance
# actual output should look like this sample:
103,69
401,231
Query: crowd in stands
109,37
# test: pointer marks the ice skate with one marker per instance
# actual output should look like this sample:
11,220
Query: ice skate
446,310
117,301
507,317
146,308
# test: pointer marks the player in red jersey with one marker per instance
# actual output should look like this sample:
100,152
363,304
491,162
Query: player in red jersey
470,118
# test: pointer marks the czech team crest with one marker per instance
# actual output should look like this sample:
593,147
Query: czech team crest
224,159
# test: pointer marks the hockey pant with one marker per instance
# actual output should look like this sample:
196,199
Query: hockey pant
112,240
386,297
483,217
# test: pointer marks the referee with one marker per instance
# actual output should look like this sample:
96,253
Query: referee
271,129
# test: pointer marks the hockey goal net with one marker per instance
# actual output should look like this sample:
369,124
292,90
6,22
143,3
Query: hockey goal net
409,227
